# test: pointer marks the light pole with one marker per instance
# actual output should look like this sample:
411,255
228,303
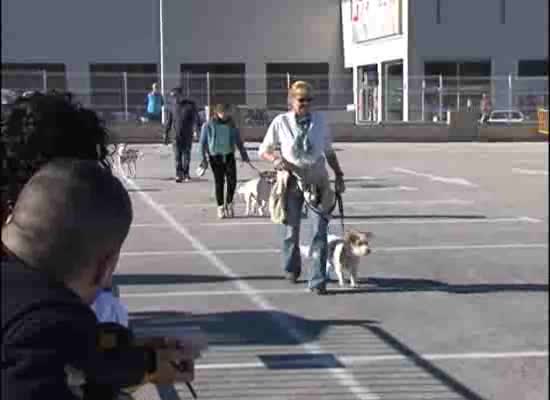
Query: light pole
161,28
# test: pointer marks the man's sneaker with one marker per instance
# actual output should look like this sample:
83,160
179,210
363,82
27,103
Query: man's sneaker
292,277
221,212
229,211
187,179
178,179
320,291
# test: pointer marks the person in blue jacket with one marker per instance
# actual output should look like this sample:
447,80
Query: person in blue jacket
154,104
219,138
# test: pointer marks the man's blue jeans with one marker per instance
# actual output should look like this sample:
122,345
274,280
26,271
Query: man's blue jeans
290,232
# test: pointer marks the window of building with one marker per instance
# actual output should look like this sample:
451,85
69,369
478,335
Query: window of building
227,83
502,11
438,12
115,85
463,83
531,86
392,83
534,68
278,75
21,77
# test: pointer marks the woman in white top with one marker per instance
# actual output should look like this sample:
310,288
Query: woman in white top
305,143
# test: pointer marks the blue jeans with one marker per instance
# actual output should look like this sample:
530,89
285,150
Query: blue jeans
290,232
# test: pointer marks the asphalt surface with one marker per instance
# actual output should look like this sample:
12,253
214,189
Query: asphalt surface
454,297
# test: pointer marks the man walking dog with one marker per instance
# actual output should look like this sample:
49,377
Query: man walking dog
305,143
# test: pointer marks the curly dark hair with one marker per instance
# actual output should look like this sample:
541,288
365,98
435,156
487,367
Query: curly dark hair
40,127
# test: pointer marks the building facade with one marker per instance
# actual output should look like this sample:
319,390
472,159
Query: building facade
249,49
415,59
396,60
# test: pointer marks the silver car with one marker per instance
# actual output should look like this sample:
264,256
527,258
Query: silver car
506,117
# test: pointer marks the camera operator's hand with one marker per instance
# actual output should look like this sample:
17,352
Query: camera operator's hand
195,343
174,357
172,365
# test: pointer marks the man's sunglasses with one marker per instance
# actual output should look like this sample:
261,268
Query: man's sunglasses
305,100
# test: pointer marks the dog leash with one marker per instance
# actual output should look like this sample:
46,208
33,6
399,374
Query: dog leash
340,203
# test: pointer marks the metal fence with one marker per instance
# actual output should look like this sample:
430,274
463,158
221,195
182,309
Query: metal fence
430,98
259,97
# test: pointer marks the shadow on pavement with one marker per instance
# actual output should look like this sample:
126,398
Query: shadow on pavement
173,279
262,328
242,328
437,373
414,216
384,285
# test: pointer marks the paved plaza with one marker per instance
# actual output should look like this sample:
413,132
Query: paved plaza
454,297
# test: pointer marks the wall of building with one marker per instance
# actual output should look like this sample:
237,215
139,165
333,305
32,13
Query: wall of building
472,30
373,51
469,30
377,51
196,31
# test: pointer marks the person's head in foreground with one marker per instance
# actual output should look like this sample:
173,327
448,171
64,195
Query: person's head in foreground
70,221
43,127
155,87
301,96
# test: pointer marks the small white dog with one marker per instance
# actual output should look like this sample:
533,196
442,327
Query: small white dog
344,254
126,160
256,192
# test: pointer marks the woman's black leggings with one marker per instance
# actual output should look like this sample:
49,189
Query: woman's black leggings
224,167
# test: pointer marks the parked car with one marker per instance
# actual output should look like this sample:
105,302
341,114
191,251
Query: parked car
506,117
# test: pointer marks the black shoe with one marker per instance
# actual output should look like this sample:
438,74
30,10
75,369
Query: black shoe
320,291
292,277
179,179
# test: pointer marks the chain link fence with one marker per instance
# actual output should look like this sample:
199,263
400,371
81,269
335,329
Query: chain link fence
122,96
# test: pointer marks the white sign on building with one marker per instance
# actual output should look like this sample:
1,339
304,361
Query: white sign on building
372,19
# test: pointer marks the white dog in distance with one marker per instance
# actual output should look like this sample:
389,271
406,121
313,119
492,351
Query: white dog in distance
256,192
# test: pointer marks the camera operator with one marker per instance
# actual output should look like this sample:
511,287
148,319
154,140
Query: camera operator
60,245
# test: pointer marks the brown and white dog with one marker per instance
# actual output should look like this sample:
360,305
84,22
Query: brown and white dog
344,254
126,160
256,192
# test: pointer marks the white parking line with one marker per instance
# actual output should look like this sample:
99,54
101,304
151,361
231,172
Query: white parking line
398,249
383,189
361,360
523,171
397,221
435,178
346,378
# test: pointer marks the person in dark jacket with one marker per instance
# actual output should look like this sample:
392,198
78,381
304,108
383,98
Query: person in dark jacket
219,138
62,244
37,129
184,118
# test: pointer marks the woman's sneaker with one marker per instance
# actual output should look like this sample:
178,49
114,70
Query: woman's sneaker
229,211
221,212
